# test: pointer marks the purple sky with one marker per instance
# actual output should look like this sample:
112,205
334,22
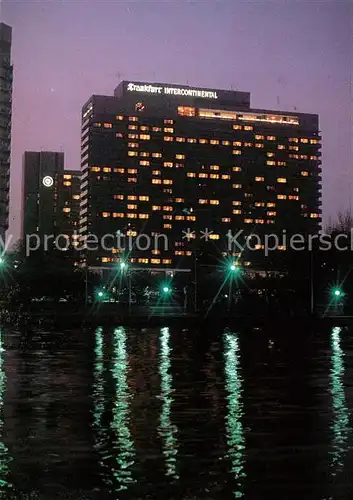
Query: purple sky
286,53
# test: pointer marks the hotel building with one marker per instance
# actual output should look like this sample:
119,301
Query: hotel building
51,196
179,161
6,72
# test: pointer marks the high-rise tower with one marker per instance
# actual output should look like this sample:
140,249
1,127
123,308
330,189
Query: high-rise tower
6,72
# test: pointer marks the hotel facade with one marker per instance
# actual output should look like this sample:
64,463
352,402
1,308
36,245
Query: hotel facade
190,166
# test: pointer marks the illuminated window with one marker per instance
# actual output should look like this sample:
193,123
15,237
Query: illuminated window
132,127
133,119
225,176
186,111
259,145
270,214
156,172
144,198
248,127
191,140
270,154
179,217
156,207
168,130
248,144
259,204
191,174
179,200
106,214
282,180
144,153
259,179
203,141
281,163
119,134
168,138
168,122
155,252
118,214
271,137
143,260
107,125
313,158
214,141
143,216
179,165
132,153
144,163
226,219
156,129
236,169
107,169
144,128
132,179
214,202
237,212
106,259
118,197
157,155
76,197
133,144
226,143
237,143
203,202
167,181
248,221
145,137
191,217
167,164
214,236
204,176
304,173
155,261
293,197
281,197
270,162
119,117
67,176
67,183
180,157
236,152
180,139
167,208
96,169
293,139
131,216
236,186
259,137
271,204
314,216
294,148
167,261
237,127
281,146
236,203
314,141
133,136
304,140
156,181
66,209
167,226
131,171
132,207
214,167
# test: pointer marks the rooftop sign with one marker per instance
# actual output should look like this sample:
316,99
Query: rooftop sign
153,89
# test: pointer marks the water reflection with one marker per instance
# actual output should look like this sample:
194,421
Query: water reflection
235,412
99,399
340,425
4,453
123,444
166,430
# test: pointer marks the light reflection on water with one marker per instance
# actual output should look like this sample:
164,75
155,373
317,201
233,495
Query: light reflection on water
235,410
167,431
4,452
340,424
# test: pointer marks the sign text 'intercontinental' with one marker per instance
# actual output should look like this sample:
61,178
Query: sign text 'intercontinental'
152,89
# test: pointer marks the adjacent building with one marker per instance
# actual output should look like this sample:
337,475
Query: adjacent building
6,73
192,164
51,196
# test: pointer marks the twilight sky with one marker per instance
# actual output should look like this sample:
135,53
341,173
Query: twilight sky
286,53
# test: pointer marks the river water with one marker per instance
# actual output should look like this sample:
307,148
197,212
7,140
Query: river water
167,413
